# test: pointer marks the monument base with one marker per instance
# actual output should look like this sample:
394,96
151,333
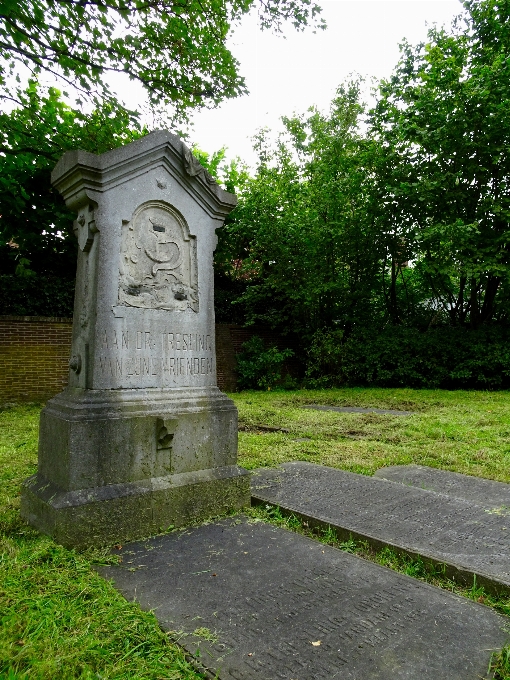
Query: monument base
122,512
116,466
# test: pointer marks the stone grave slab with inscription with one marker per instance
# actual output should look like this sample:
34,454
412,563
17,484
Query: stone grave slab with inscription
494,496
250,601
141,438
468,538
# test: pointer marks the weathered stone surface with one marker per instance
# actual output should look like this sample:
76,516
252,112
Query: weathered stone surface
358,409
452,531
281,606
495,496
129,446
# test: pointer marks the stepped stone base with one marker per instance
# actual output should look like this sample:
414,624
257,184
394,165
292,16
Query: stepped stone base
121,512
115,466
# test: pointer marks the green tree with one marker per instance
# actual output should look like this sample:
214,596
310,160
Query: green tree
175,48
444,115
232,175
305,237
36,241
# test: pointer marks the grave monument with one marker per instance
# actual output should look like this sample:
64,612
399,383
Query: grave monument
141,438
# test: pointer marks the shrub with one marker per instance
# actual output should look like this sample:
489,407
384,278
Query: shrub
448,358
261,367
36,295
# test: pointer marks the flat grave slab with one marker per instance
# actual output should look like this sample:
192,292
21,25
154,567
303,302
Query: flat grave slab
250,601
469,539
487,493
358,409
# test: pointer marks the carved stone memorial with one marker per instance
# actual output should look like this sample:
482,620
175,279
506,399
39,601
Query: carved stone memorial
142,438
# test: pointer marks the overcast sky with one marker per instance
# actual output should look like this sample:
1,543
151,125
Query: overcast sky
289,75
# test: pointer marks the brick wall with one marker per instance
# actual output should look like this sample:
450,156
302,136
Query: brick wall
34,355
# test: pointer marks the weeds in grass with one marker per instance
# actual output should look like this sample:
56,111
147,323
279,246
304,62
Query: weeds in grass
500,664
466,432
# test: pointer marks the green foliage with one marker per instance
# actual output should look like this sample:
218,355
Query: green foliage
260,367
36,295
176,50
37,246
444,117
405,222
397,356
501,664
232,175
303,236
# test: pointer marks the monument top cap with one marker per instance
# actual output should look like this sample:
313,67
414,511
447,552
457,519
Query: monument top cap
77,171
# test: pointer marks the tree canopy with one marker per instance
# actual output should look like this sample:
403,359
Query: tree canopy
175,48
35,225
444,116
379,239
401,220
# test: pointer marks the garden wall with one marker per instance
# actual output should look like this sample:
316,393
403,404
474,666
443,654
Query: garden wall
34,355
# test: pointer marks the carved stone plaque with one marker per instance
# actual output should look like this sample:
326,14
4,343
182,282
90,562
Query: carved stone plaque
158,267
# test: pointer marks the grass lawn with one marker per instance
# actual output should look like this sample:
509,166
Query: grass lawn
60,620
465,432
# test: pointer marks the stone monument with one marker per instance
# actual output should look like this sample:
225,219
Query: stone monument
142,438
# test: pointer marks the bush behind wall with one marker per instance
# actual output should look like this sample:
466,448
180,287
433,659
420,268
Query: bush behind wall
36,295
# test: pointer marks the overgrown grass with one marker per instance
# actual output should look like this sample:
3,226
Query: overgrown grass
467,432
59,619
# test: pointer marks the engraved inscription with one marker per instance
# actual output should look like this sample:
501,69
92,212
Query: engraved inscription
281,607
158,267
140,366
362,623
444,528
140,353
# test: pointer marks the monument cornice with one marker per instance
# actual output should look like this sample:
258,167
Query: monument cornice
78,173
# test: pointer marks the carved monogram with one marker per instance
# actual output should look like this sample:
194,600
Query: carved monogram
158,267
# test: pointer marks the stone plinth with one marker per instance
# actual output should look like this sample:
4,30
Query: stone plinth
142,438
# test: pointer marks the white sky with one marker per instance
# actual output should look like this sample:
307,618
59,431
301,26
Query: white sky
289,75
